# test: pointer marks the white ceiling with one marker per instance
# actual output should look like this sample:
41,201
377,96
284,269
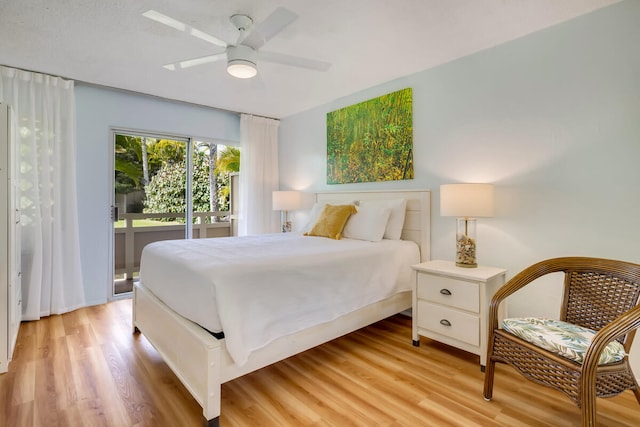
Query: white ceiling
368,42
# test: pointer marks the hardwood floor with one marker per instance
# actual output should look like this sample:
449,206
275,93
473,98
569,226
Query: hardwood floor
86,368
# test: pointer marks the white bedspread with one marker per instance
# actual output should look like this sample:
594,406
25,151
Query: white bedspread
259,288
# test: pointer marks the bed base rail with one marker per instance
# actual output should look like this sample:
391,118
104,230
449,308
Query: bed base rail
185,347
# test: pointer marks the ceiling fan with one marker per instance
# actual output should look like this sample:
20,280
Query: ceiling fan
243,54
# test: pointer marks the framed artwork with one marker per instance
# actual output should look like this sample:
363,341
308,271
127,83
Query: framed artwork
371,141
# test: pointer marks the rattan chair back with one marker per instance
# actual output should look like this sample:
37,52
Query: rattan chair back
599,294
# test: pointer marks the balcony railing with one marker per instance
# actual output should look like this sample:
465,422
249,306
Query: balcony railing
131,239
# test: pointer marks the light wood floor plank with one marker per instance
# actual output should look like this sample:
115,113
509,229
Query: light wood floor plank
87,368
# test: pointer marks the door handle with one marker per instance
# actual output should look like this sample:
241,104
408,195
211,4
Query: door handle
115,214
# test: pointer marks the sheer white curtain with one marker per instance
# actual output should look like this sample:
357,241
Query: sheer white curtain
45,119
259,175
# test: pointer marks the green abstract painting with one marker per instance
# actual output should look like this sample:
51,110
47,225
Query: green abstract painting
371,141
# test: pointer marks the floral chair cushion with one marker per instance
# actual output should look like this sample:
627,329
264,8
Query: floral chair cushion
562,338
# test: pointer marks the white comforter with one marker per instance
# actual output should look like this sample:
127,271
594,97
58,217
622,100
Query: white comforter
259,288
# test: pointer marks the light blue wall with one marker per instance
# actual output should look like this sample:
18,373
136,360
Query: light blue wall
98,111
552,119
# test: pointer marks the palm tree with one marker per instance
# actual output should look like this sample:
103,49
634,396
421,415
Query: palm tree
127,163
228,160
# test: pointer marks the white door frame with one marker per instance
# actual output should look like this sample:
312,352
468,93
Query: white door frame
113,131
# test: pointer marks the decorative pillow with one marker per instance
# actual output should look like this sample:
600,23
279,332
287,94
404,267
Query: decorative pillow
331,221
368,223
562,338
316,210
398,207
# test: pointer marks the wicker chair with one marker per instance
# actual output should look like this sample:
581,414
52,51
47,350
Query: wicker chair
599,294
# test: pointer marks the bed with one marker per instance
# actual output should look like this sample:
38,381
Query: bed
205,350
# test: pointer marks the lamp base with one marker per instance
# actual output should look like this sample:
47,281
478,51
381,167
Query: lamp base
466,243
284,222
459,264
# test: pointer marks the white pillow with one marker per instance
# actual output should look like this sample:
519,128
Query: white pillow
368,223
396,219
313,216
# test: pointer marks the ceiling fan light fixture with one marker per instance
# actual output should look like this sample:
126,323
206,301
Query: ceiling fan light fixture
241,68
241,62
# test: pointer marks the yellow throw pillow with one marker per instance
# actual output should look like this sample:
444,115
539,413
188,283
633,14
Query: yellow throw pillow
331,221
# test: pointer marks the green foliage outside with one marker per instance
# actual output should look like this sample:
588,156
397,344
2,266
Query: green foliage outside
228,162
165,167
163,151
129,164
371,141
167,188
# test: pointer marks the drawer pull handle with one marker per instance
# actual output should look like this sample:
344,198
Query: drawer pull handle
445,291
445,322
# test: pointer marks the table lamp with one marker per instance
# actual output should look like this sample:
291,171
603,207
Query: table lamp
466,201
285,201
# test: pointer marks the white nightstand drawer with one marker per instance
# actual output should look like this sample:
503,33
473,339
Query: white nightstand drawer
452,292
455,324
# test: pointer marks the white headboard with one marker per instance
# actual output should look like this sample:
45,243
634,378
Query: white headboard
417,222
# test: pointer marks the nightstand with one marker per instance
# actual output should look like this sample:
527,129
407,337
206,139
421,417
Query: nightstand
451,304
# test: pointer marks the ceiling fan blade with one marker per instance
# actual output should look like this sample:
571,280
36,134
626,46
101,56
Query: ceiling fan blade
265,30
295,61
195,61
181,26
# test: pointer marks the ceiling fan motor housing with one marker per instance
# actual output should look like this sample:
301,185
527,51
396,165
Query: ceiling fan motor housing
241,61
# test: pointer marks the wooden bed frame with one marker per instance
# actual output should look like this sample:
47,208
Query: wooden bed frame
202,362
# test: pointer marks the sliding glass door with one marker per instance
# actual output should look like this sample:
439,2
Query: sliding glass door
151,198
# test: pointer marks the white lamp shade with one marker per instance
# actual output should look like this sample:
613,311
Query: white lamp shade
286,200
466,200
